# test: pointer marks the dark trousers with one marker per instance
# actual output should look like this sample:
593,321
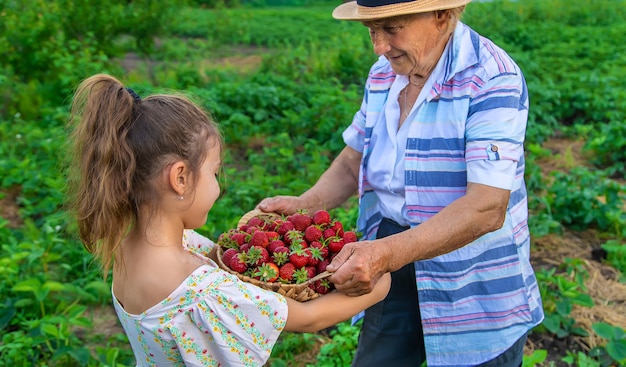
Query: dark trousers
391,333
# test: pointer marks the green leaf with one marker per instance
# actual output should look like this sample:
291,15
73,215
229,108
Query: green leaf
50,329
28,285
617,349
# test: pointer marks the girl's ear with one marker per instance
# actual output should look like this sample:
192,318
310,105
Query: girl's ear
179,177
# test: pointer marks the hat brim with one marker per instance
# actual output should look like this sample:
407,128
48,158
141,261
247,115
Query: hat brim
353,11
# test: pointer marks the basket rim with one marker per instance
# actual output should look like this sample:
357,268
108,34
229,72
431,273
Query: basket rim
253,213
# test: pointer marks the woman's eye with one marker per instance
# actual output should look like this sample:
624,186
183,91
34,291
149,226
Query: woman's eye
392,29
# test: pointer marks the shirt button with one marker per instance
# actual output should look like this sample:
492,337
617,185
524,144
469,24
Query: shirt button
494,148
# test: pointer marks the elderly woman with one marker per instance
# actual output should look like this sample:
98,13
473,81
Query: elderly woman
436,156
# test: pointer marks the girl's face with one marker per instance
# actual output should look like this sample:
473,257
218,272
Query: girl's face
207,188
412,44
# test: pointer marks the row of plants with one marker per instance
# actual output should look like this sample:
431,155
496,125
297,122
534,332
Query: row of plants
281,118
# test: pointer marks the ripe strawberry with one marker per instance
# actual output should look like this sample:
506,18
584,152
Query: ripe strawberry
225,239
328,233
313,233
272,235
300,221
257,255
228,254
298,257
238,263
315,255
293,236
267,272
239,238
321,266
281,255
335,244
301,275
245,247
321,217
323,248
286,272
349,236
311,271
255,222
284,227
259,238
322,286
337,227
275,244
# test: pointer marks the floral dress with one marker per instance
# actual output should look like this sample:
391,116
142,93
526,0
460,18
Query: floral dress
211,319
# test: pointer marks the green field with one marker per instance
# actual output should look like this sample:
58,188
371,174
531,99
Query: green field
283,81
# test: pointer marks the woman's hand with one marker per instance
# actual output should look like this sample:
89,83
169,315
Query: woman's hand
281,204
358,267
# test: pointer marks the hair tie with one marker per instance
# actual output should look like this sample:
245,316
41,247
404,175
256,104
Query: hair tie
132,93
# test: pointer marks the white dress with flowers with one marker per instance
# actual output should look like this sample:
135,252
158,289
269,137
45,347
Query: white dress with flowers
211,319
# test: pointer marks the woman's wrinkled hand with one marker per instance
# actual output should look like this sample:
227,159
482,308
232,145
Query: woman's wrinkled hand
358,267
281,204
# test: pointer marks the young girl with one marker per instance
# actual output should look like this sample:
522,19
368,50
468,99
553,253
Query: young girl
144,175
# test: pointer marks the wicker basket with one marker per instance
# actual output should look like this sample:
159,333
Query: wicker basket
299,292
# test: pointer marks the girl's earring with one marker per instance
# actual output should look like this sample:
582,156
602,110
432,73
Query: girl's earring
180,198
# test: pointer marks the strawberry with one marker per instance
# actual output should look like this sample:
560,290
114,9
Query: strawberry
275,244
322,286
286,272
311,271
245,247
272,235
293,236
267,272
335,244
321,266
315,255
337,227
298,257
313,233
228,254
255,222
238,263
281,255
257,255
225,240
301,275
323,248
321,217
284,227
328,233
349,237
259,238
300,221
239,237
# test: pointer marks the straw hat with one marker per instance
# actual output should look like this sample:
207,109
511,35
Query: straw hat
377,9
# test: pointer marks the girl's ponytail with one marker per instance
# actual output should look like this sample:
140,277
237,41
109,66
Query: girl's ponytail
101,174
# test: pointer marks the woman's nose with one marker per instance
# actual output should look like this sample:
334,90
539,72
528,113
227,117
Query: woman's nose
380,43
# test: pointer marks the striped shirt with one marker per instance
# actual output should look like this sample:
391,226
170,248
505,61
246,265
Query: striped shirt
467,126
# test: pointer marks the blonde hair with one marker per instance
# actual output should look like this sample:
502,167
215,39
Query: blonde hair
120,143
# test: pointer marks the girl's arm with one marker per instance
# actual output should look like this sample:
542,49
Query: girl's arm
332,308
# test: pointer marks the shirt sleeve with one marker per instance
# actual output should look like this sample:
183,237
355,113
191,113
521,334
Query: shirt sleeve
196,242
236,323
500,174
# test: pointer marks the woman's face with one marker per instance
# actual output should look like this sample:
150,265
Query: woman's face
412,44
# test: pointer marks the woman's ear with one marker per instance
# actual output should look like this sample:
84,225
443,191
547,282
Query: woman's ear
179,177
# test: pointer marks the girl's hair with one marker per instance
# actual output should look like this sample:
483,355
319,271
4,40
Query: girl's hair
120,144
